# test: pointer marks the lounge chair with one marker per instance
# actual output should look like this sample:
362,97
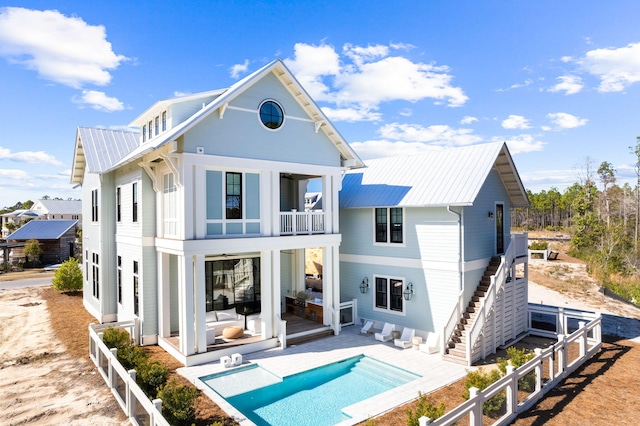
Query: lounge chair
368,328
385,335
406,340
432,345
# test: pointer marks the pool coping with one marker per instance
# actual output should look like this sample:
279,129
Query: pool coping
435,371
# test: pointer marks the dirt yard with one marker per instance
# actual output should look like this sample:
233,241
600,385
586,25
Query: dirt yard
47,382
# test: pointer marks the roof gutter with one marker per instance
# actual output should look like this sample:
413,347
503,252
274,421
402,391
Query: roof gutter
460,271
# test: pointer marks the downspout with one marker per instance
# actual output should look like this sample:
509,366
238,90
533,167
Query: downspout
459,245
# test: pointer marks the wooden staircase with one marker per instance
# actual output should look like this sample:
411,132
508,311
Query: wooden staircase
456,350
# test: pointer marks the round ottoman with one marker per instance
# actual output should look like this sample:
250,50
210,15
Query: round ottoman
232,332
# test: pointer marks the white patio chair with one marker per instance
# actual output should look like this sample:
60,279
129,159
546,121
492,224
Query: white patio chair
432,345
385,335
368,328
405,341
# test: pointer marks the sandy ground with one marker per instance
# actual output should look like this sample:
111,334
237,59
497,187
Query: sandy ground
40,383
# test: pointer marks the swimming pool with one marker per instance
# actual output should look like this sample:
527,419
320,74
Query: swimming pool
315,397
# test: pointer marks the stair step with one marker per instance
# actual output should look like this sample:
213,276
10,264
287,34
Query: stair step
454,359
462,353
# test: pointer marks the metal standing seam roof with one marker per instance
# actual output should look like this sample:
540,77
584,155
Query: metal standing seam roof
450,177
62,206
99,149
42,230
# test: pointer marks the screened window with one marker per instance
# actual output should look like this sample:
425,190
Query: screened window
136,289
389,294
234,196
233,283
389,225
134,197
169,205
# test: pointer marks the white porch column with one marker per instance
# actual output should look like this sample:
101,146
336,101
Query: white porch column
164,299
200,304
266,206
185,297
199,203
331,285
274,213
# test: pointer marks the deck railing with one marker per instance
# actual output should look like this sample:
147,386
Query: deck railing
298,223
588,338
133,401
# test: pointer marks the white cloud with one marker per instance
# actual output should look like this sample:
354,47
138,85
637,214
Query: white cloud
569,84
32,157
12,174
406,112
363,77
468,120
238,69
617,68
351,115
62,49
383,148
522,143
436,134
566,59
566,121
99,101
516,122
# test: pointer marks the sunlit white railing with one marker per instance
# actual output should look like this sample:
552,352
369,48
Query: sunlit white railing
588,338
133,401
306,222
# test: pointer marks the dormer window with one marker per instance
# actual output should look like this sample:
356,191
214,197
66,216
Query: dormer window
157,125
144,133
164,121
150,130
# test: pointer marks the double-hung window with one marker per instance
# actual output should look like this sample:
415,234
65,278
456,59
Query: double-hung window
96,275
136,289
389,225
234,196
156,122
118,205
134,197
164,121
94,205
389,294
119,279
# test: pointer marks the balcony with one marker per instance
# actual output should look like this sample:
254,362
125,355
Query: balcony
302,223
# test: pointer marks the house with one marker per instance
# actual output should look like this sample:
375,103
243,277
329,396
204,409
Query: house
420,232
200,216
45,209
57,240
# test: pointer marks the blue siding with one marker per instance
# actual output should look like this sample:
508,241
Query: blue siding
293,142
252,196
214,195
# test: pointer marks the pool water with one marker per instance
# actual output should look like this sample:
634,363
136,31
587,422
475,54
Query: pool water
314,397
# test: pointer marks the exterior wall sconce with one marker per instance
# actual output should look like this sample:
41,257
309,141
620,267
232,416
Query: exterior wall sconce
408,292
364,285
490,215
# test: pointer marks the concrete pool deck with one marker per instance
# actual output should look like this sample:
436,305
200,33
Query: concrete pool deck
435,372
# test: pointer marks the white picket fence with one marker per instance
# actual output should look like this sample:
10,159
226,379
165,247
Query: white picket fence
588,337
133,401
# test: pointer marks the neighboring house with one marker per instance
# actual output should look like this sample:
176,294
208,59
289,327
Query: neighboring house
420,231
204,210
43,210
58,209
56,237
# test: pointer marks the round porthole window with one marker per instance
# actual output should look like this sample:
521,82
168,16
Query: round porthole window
271,115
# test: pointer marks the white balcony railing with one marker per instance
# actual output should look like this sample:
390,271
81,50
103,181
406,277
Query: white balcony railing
302,223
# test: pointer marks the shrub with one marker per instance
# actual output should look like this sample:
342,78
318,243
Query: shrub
517,358
117,338
68,277
482,379
131,356
150,376
178,403
538,245
424,408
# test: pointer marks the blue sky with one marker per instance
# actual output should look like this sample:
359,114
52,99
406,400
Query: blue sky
558,80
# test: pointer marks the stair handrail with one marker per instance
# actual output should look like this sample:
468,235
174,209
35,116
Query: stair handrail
450,325
486,304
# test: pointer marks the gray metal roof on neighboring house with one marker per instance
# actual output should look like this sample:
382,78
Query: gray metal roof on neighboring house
99,149
42,230
449,177
59,206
